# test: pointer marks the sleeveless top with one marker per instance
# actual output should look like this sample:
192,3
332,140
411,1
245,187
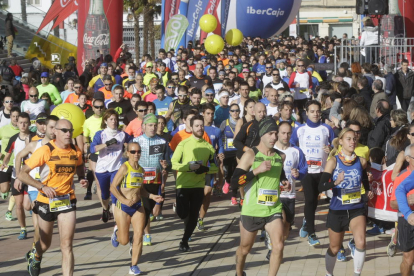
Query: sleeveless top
347,195
134,178
263,191
228,137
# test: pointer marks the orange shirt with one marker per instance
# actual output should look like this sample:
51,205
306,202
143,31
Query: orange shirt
57,168
225,61
74,99
398,181
107,93
36,138
134,128
182,135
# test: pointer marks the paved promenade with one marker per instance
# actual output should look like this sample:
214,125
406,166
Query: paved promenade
212,253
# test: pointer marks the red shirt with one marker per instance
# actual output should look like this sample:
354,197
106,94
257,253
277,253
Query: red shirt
17,70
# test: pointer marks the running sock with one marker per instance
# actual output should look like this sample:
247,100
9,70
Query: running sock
23,228
12,202
359,259
330,260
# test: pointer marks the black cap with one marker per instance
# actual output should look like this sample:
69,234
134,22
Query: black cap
99,95
41,117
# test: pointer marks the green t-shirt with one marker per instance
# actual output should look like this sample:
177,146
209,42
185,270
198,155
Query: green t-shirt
192,149
262,194
6,132
239,67
91,126
52,91
255,95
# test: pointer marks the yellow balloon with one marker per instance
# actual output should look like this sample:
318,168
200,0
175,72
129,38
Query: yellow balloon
73,114
208,23
234,37
214,44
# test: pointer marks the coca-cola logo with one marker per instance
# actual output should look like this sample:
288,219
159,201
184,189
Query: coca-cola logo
100,40
376,187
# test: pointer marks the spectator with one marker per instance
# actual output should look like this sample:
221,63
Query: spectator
49,88
57,78
377,137
6,72
405,84
390,86
17,69
10,33
379,94
369,37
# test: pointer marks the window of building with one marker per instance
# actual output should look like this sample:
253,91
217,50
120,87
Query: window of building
33,2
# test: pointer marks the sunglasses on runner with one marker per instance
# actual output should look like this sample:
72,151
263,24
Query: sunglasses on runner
8,101
77,87
142,110
66,130
235,110
135,151
99,106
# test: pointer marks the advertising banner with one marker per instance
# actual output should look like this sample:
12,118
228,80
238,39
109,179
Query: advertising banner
60,9
169,8
99,29
175,31
212,9
196,9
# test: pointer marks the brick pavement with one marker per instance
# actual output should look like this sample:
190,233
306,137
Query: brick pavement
212,253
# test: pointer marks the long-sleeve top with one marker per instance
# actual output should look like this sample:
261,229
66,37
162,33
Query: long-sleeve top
192,149
401,194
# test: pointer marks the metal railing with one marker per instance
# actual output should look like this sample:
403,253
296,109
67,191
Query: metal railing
391,52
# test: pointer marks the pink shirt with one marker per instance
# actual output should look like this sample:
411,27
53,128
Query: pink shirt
150,97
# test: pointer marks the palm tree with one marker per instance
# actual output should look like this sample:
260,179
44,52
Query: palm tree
155,10
136,7
23,8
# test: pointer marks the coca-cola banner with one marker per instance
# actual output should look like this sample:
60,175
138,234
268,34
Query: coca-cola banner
381,185
100,29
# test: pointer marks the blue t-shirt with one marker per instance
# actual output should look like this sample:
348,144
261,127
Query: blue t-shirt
265,101
221,114
214,133
162,106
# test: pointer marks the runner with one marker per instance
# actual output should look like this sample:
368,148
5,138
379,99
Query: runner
26,152
314,139
128,189
344,174
56,199
191,159
259,173
155,160
109,142
17,143
176,106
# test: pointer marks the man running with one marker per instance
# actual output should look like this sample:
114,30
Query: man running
191,159
260,172
155,158
58,161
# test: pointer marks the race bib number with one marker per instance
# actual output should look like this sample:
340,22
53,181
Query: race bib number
267,197
150,174
230,143
314,163
162,111
135,184
60,203
5,169
351,196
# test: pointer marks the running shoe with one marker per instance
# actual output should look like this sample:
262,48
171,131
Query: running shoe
105,215
30,253
134,270
233,201
302,232
226,188
390,231
341,255
151,217
114,238
267,241
244,273
376,230
241,203
4,195
313,240
351,246
88,196
268,255
184,247
33,266
22,235
9,216
147,240
392,247
200,224
159,217
217,191
300,189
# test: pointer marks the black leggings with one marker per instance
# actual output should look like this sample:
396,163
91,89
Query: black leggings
230,163
90,177
149,203
310,188
188,204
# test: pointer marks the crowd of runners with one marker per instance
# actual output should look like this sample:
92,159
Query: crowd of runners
257,121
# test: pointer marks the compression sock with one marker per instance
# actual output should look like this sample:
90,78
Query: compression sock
12,202
330,260
90,178
359,259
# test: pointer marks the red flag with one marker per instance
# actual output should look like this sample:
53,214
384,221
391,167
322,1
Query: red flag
212,9
60,9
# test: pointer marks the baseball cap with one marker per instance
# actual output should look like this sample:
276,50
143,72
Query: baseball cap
222,73
44,75
99,95
209,91
41,117
149,64
245,70
203,57
104,64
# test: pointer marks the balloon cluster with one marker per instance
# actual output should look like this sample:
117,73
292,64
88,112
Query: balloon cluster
214,44
73,114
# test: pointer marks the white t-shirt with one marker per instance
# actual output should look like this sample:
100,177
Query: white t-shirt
33,109
271,111
4,119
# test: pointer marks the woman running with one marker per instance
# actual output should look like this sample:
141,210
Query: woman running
109,142
128,190
248,115
227,128
344,175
